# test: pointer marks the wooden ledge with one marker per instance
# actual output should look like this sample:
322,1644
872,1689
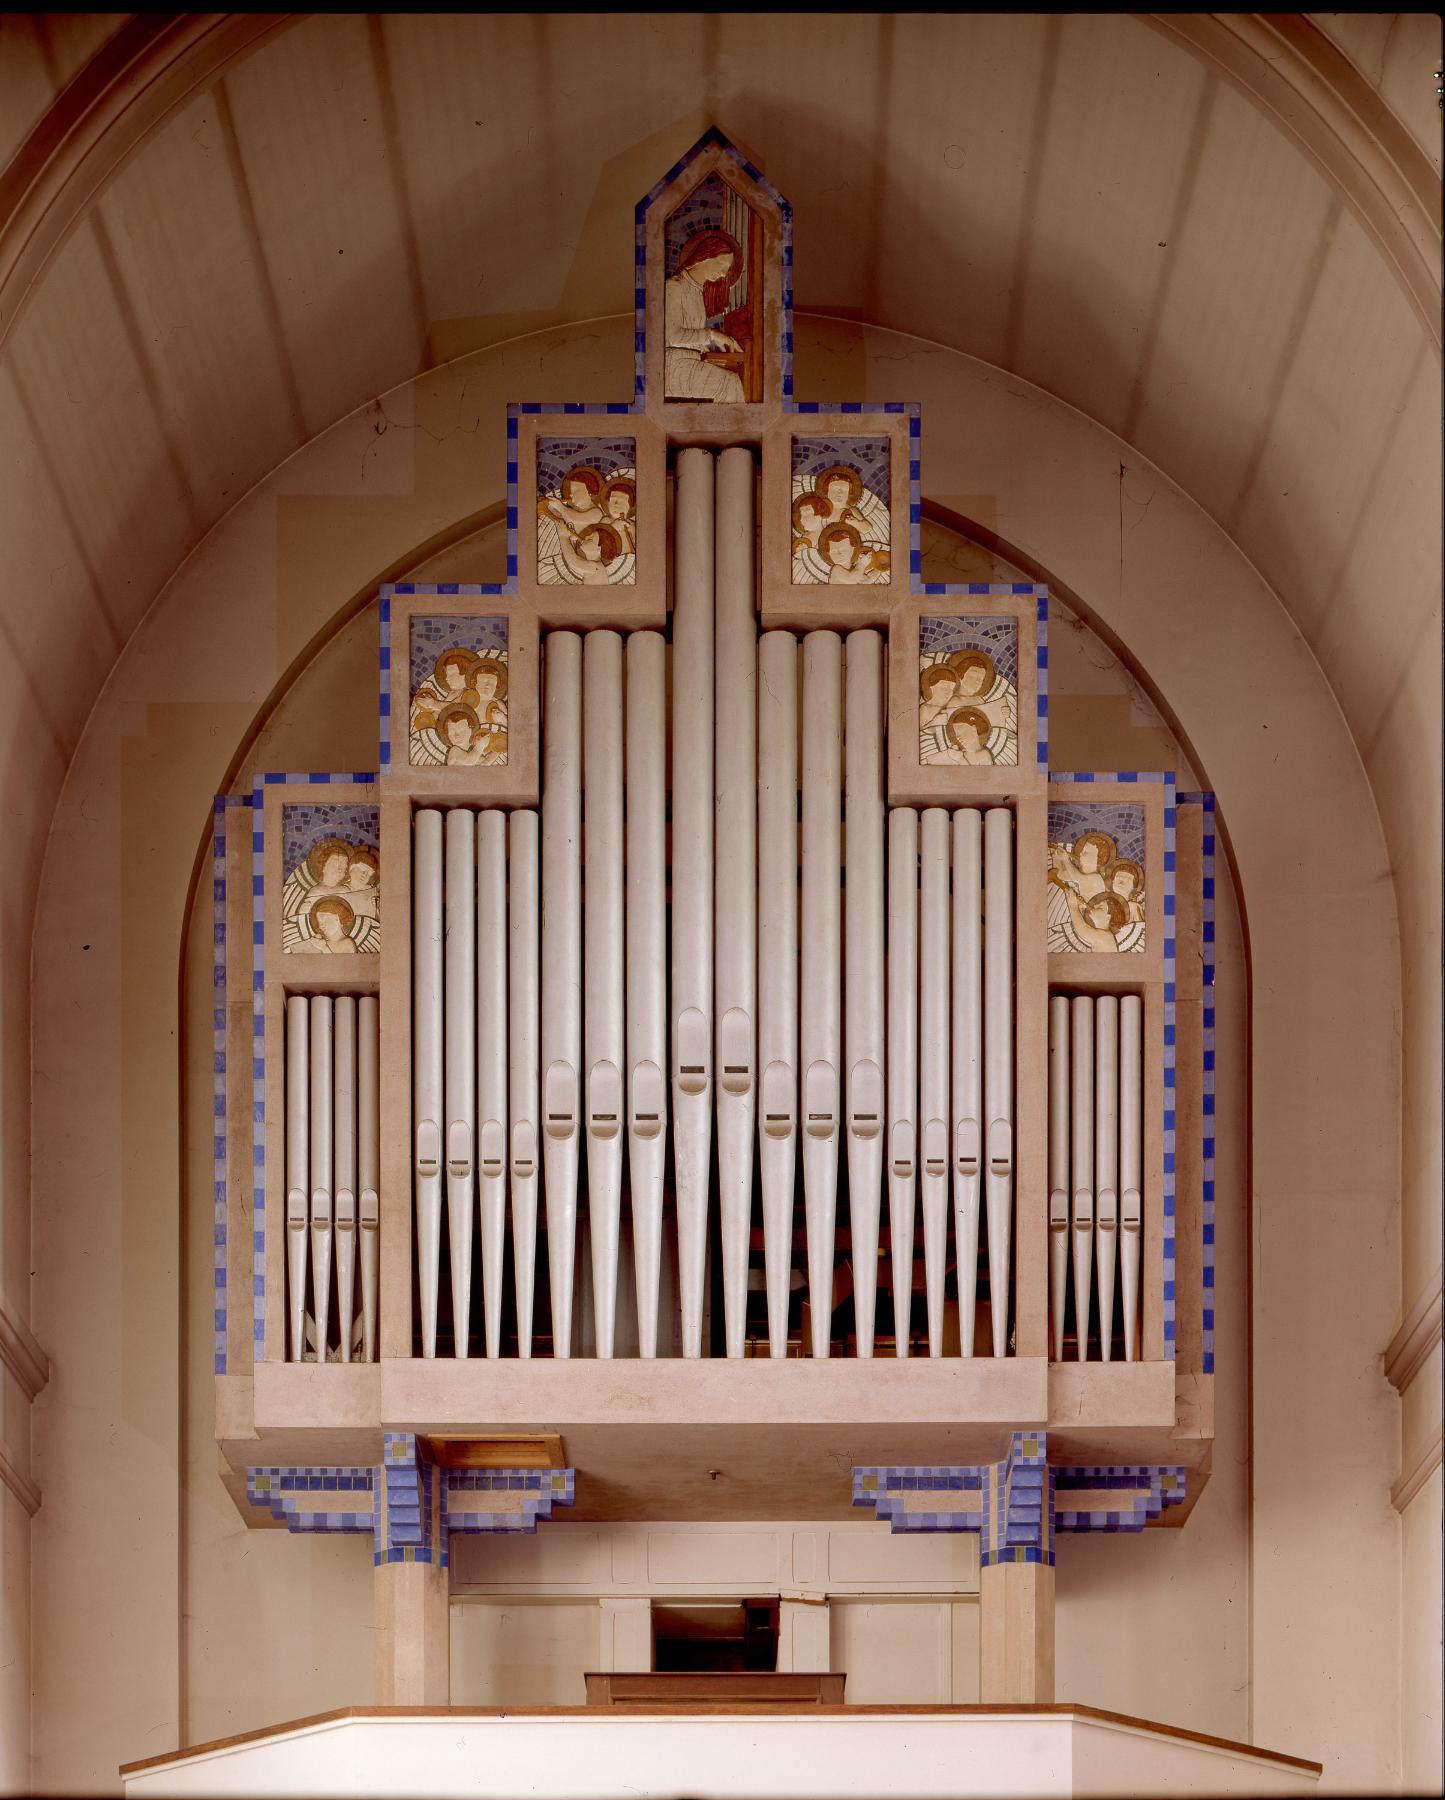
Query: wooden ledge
1059,1709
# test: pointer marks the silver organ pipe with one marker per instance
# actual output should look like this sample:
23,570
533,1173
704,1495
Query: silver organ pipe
1106,1161
646,965
298,1165
778,964
427,1062
322,1099
368,1164
933,1060
821,1051
561,969
1083,1166
459,1031
863,940
1131,1162
344,1127
735,876
523,1063
604,950
692,877
967,1060
902,1060
491,1058
1059,1097
998,987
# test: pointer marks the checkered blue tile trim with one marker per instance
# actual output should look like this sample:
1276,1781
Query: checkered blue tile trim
1144,1492
1018,1506
466,1509
1167,893
1206,1075
220,1108
283,1493
408,1483
710,137
383,672
258,1035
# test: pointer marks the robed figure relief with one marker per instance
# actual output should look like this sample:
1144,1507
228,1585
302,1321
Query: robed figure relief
458,713
712,297
968,692
331,889
586,512
1096,879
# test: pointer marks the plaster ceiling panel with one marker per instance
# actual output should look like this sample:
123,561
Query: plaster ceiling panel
506,176
1250,250
58,642
79,365
209,319
1113,156
26,83
1351,374
313,146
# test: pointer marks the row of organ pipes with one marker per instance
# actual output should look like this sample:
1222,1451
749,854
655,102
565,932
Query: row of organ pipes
803,1008
333,1150
1096,1073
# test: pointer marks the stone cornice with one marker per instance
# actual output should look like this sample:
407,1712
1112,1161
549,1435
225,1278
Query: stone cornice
1418,1335
1293,72
20,1353
154,63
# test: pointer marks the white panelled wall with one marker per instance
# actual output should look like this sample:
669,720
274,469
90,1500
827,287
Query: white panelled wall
897,1615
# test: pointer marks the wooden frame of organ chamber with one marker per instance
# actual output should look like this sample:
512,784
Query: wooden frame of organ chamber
716,975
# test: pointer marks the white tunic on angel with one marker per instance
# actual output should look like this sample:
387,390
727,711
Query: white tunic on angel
1064,930
686,334
1000,706
563,557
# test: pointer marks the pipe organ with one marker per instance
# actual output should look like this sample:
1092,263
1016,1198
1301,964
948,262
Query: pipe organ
716,970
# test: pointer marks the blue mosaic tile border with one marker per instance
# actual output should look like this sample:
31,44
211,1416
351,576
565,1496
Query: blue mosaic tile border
541,1490
423,1503
1206,1075
1019,1506
1171,933
258,1032
1167,1485
220,1108
785,243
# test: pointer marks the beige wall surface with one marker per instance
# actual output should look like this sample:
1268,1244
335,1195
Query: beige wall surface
223,1629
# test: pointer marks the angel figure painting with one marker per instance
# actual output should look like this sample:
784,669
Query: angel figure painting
458,713
1096,878
841,516
331,886
586,512
711,311
968,703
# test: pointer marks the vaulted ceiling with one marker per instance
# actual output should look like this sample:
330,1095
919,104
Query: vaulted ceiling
1093,203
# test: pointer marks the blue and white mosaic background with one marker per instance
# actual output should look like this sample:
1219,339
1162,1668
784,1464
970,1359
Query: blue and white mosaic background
433,633
304,825
1125,824
998,638
556,456
866,456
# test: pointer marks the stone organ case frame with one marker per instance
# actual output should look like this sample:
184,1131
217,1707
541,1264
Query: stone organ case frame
712,902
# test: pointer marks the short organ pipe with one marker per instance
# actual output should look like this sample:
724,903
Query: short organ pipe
902,1061
1106,1161
344,1127
459,1031
368,1164
298,1165
967,1072
492,1054
1083,1166
998,988
646,733
427,1063
524,1103
1131,1163
778,964
933,1060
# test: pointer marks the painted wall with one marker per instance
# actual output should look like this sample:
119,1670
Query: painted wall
200,1631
